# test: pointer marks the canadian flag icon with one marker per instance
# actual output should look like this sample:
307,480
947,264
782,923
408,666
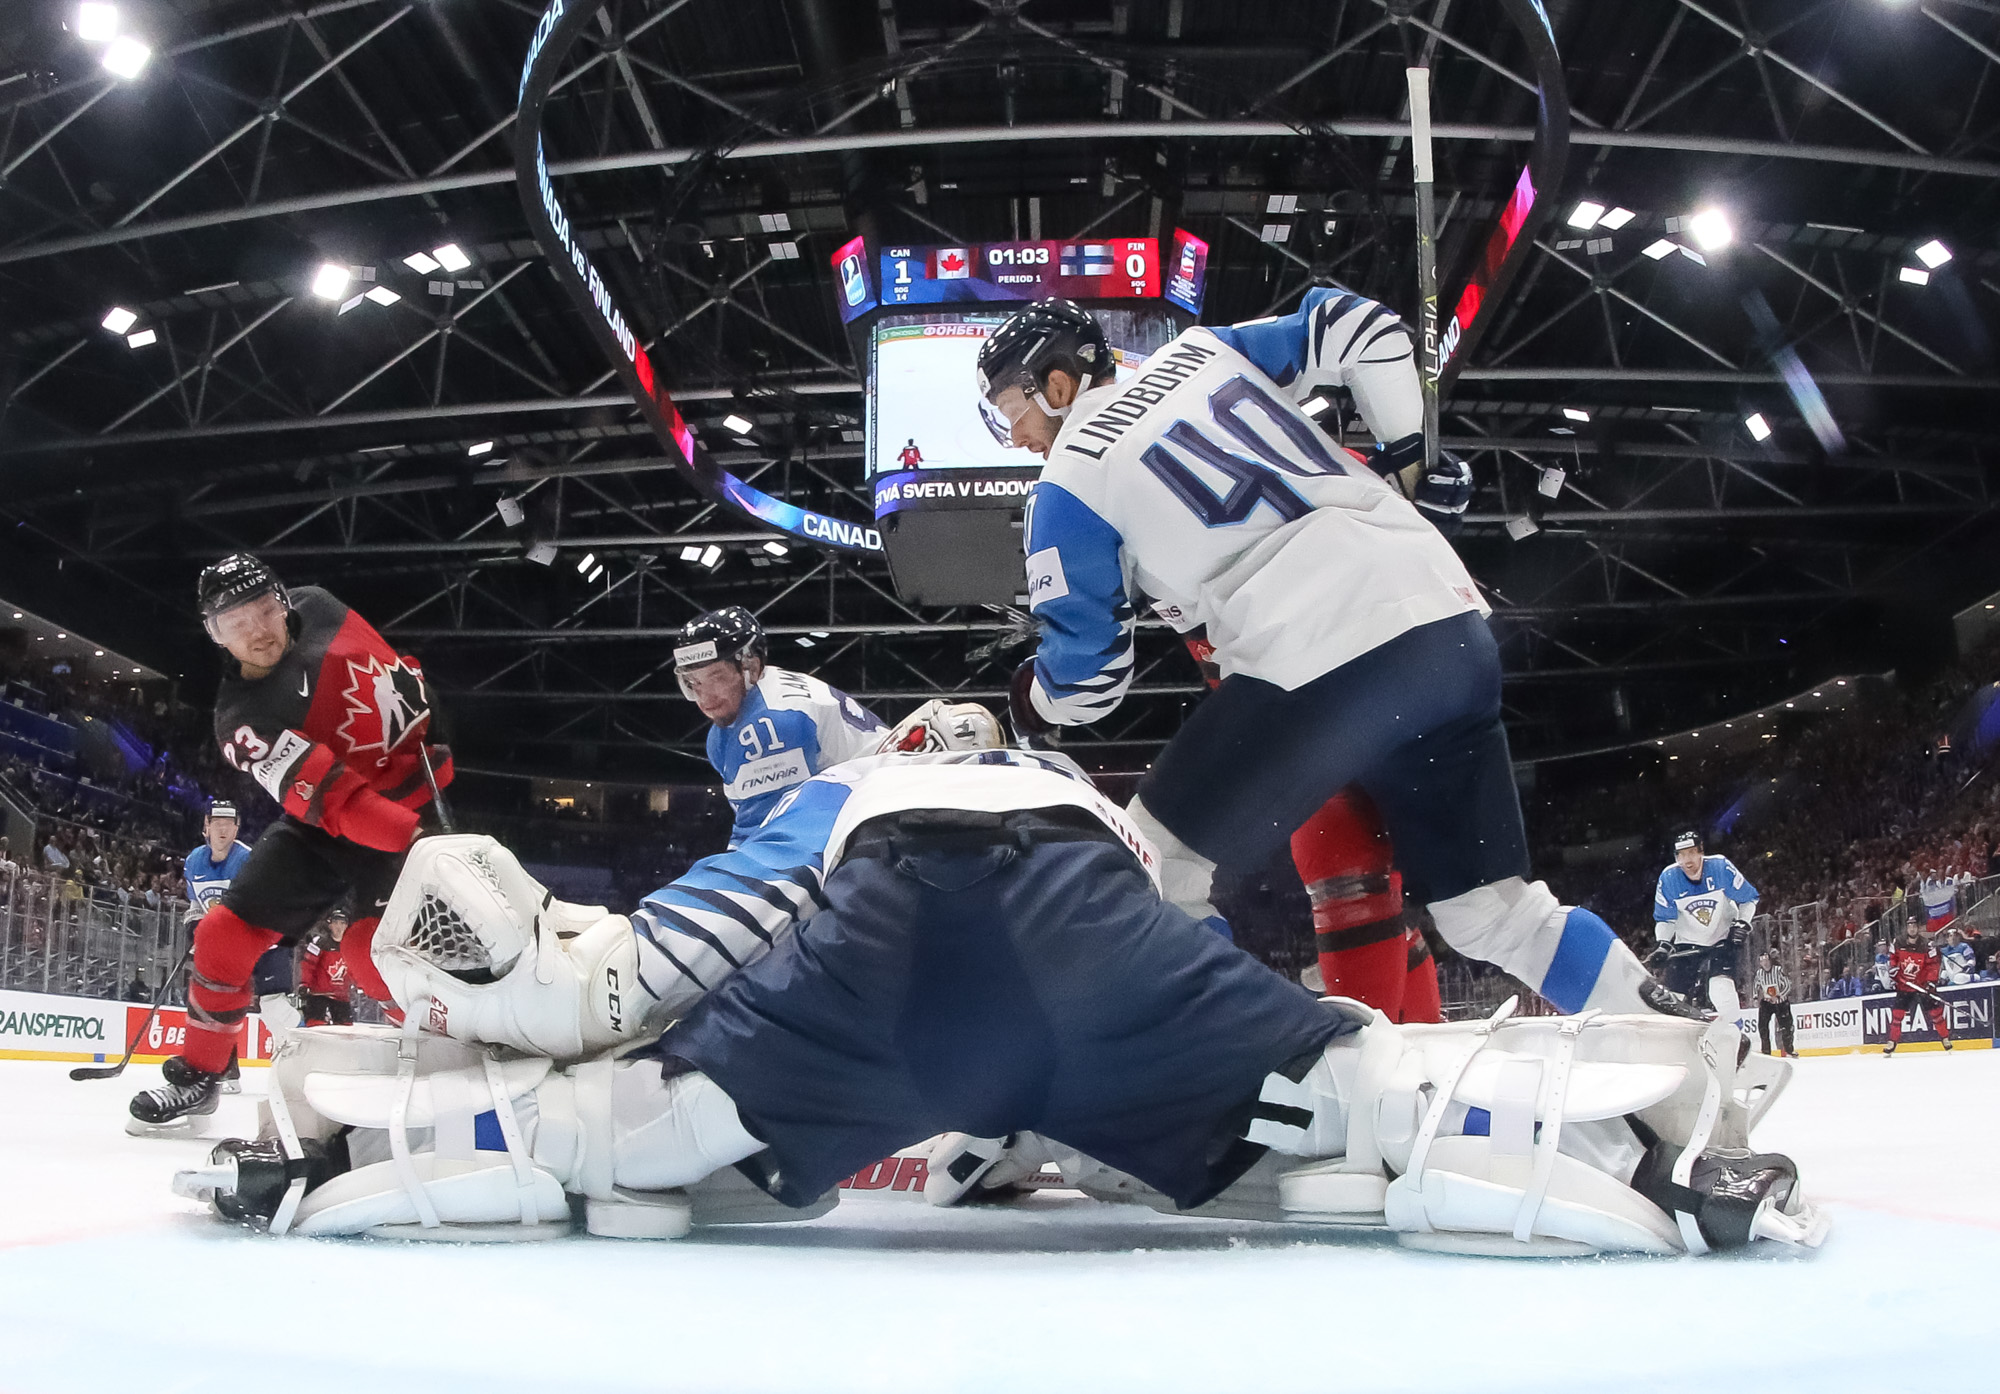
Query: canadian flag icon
953,263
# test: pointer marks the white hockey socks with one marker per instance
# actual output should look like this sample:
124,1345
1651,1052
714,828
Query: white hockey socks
1564,952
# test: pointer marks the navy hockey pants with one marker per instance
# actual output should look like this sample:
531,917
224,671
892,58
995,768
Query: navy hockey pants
1415,722
996,991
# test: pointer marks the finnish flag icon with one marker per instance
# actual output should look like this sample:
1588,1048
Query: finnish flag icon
1087,259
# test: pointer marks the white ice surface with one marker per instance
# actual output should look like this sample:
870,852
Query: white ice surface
109,1282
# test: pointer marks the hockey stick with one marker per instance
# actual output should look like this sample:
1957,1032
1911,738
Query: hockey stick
113,1071
437,794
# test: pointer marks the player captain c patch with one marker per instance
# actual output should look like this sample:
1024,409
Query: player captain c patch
1046,578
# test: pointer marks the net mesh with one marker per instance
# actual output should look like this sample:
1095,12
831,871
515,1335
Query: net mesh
442,936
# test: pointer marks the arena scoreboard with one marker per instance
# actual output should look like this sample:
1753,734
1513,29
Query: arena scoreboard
1113,268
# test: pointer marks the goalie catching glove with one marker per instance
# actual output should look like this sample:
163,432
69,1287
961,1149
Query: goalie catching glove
484,952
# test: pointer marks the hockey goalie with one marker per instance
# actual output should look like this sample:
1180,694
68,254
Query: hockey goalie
953,937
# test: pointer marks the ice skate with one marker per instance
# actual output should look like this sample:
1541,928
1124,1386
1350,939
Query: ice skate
175,1109
176,1070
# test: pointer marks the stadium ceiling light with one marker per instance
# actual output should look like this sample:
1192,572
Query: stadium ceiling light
1585,215
330,281
776,548
589,560
822,634
17,613
98,654
1711,230
711,556
1616,218
691,553
592,577
1840,682
1575,414
143,339
542,553
1662,248
1933,254
423,263
126,57
1791,704
450,257
61,635
96,23
1914,275
118,319
805,641
382,295
479,447
741,425
1757,426
510,512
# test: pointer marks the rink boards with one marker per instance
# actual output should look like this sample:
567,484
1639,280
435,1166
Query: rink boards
1845,1025
86,1031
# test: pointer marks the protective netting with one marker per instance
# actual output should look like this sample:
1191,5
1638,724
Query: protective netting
441,935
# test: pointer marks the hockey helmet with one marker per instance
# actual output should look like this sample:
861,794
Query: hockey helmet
1035,341
729,635
939,725
236,580
1686,838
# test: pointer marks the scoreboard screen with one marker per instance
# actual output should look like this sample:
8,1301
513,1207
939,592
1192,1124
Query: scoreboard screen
1118,268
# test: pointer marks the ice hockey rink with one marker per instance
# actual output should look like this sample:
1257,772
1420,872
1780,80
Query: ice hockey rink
1058,1292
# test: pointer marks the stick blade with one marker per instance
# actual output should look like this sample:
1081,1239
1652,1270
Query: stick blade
97,1072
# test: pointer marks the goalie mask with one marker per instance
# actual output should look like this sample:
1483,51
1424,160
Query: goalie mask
938,725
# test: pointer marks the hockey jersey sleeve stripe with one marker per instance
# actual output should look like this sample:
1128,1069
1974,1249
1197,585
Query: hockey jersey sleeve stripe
1076,587
774,894
700,950
642,925
761,925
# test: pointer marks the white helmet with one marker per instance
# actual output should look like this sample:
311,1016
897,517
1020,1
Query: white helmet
940,725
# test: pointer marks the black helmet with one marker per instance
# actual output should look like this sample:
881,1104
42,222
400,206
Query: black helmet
1032,342
730,634
1686,838
235,580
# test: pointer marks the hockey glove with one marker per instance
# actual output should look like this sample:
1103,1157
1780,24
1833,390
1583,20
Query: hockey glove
1031,728
1443,492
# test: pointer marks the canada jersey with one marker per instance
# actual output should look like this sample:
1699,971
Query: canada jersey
1912,970
791,726
332,732
1700,911
322,969
207,878
728,910
1199,486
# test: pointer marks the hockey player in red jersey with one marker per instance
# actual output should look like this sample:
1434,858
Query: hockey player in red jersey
1913,968
909,457
323,978
330,720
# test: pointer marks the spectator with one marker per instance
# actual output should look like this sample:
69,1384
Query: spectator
53,855
138,990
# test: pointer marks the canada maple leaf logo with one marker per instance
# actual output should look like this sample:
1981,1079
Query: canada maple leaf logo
951,261
385,702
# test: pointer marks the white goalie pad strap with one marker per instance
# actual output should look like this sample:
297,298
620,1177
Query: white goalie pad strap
510,1132
1555,1087
1442,1097
399,1135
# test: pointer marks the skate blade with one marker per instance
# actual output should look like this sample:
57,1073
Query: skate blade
189,1125
232,1086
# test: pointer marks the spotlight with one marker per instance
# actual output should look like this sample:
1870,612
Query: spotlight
423,263
776,549
330,281
479,448
1914,275
509,510
96,24
589,560
542,553
1933,254
450,257
382,295
1711,229
690,553
805,641
143,338
100,653
125,58
741,425
118,319
711,556
1757,426
1661,248
1585,216
1575,414
592,577
1616,218
1521,528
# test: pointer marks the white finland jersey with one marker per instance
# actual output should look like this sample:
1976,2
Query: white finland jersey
1198,485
